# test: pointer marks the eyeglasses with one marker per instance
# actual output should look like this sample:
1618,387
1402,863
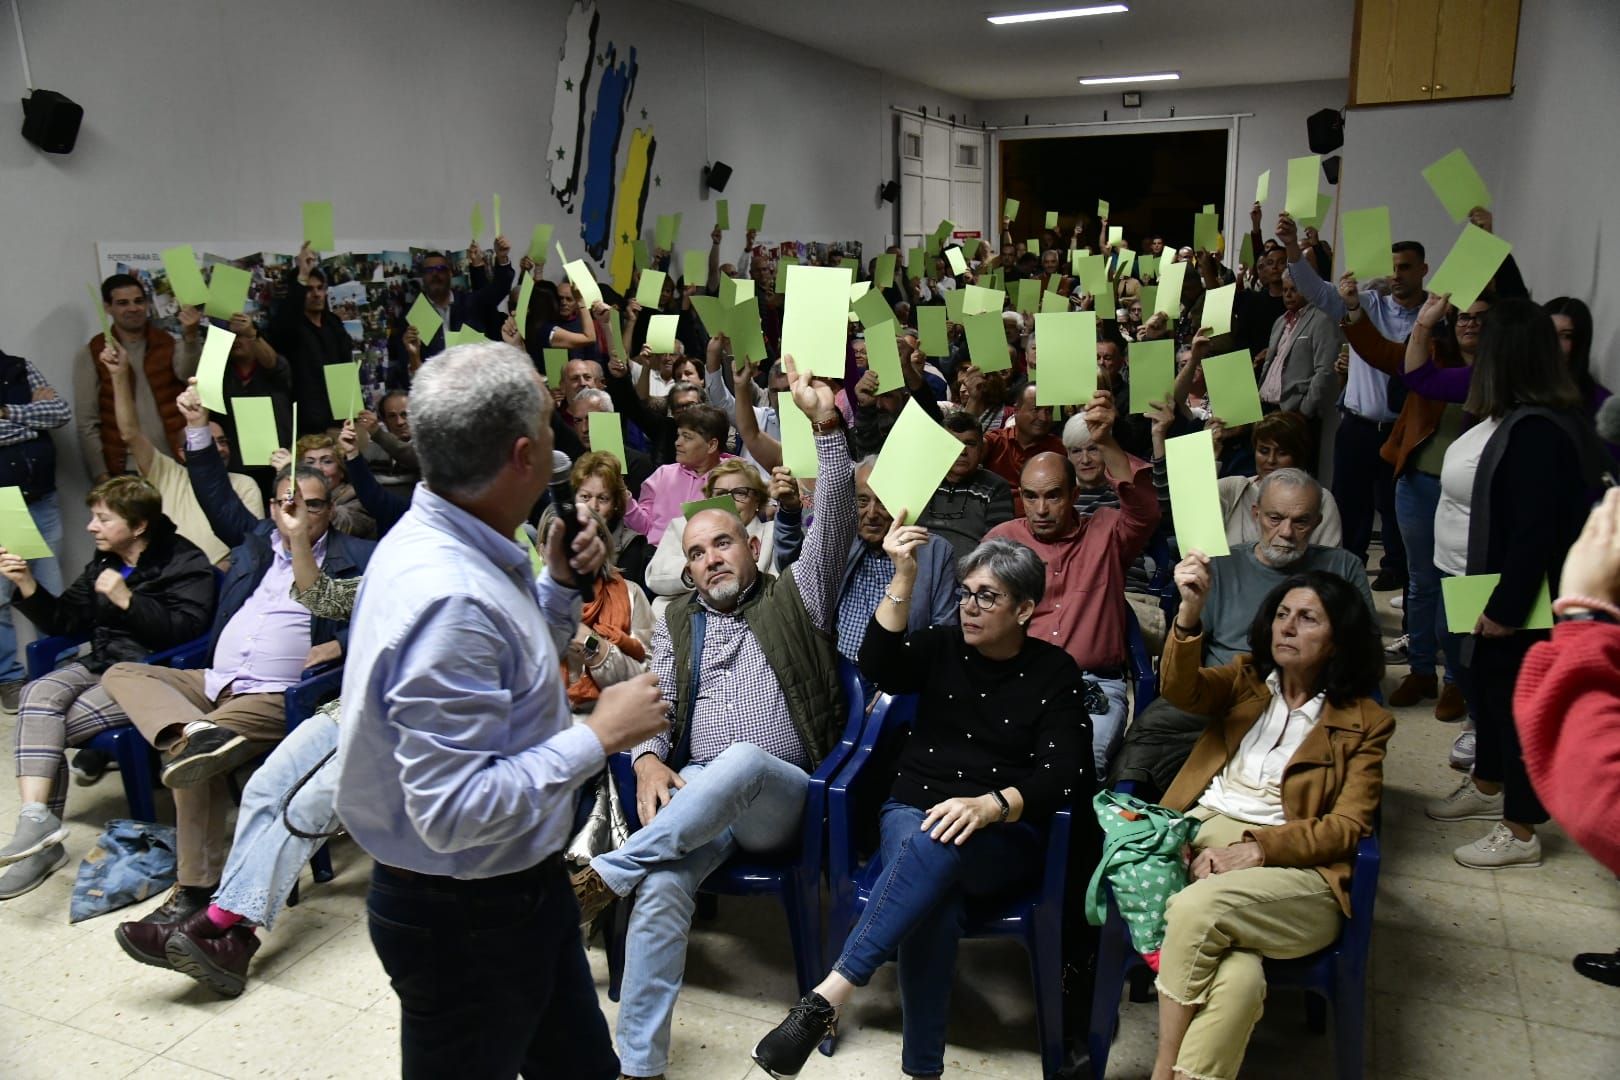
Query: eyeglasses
983,600
739,493
316,506
436,268
1463,316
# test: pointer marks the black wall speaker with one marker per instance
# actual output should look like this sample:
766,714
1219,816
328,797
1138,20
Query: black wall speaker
716,176
1326,131
889,191
1330,168
51,121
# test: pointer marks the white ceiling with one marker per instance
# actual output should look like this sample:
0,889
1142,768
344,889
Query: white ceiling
948,44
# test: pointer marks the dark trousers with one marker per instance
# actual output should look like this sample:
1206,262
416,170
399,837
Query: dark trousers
1364,485
491,976
1493,670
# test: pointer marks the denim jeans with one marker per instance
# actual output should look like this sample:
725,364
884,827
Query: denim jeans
1107,729
1364,486
265,858
744,798
918,910
47,515
1417,495
491,976
1452,646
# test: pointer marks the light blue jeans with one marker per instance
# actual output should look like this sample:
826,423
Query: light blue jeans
47,515
1417,496
1108,729
745,798
265,858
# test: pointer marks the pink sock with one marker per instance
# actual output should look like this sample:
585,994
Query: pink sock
222,918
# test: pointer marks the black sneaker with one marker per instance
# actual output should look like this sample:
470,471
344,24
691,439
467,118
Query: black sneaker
785,1049
208,753
88,766
1388,580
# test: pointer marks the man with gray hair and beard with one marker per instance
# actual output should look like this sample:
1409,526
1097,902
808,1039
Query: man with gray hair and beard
458,759
1288,509
749,663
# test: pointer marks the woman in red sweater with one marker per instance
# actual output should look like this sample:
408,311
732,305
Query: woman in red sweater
1567,705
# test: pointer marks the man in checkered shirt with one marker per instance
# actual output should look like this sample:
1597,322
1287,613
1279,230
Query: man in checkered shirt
733,770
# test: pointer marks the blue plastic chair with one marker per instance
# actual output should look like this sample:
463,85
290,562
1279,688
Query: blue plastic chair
1162,583
1035,919
793,875
1336,975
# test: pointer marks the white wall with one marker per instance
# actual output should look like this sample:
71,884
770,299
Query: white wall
213,120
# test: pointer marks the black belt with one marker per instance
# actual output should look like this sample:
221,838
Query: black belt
520,879
1118,674
1381,425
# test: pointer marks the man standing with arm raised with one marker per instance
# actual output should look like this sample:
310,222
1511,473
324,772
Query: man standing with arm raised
458,761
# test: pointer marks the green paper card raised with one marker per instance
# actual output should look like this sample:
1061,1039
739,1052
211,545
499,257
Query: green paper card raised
538,241
525,295
664,232
318,226
915,458
641,254
1367,243
1051,219
747,334
606,432
931,333
1246,251
722,214
976,300
1458,185
1149,296
953,304
661,333
987,341
464,335
216,354
734,291
719,502
1262,187
873,310
1206,232
782,263
19,535
1102,207
1168,298
914,262
953,258
1027,293
695,268
227,291
798,444
1218,310
883,276
815,319
584,282
1195,499
343,389
555,360
476,221
756,216
495,212
1467,597
1053,302
1009,209
180,263
650,288
712,313
1232,394
1302,171
1116,235
1153,372
1066,358
256,434
425,318
883,357
1472,262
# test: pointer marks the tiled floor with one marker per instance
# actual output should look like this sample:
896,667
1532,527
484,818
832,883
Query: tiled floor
1471,977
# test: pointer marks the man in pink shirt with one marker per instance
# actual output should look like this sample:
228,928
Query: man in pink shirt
700,432
1083,610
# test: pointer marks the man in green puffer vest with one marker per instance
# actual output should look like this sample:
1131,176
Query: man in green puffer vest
755,713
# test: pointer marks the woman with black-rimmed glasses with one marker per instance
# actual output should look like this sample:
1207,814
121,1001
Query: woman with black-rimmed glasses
1001,740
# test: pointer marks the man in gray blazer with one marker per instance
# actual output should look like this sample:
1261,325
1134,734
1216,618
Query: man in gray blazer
1298,373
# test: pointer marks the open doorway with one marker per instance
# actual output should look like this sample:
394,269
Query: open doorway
1154,182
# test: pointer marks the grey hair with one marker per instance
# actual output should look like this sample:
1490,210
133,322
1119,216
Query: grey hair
468,406
1295,478
1076,435
304,472
594,396
681,386
1012,564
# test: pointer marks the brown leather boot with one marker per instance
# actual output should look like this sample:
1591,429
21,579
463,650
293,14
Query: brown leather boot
1413,689
1451,707
592,893
216,958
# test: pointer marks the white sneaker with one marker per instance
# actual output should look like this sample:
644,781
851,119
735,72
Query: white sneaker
1499,849
1398,601
1467,803
1462,752
1396,651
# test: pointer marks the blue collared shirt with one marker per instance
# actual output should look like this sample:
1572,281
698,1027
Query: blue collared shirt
1367,392
456,753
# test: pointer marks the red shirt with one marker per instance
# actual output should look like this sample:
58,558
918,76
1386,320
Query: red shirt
1004,457
1567,706
1083,610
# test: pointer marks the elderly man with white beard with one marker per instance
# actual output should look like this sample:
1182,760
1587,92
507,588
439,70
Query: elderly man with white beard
1288,509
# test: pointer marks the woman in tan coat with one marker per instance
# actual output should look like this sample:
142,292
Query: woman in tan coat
1286,780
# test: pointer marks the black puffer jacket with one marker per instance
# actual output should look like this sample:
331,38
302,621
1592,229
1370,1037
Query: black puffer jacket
173,602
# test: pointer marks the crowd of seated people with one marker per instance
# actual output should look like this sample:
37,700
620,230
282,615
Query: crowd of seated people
1001,602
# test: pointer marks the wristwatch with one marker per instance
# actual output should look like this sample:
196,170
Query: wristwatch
828,426
1002,799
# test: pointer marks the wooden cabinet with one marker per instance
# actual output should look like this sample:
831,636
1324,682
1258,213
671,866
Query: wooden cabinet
1432,50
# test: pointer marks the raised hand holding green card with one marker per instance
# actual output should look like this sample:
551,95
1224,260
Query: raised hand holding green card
318,226
695,268
661,333
987,341
1153,373
1218,309
256,434
1302,185
931,334
815,319
756,216
425,318
227,291
883,357
1232,394
343,389
1066,354
216,355
915,458
606,430
1457,184
1195,500
19,534
650,289
1367,243
1470,266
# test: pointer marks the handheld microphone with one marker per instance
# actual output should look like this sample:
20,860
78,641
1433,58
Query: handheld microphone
562,500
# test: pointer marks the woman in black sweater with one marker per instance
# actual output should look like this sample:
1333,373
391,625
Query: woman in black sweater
146,589
1001,741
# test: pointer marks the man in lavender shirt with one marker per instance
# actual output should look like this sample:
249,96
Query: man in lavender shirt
209,721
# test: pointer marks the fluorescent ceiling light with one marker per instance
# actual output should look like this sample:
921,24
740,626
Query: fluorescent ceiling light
1066,13
1103,80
